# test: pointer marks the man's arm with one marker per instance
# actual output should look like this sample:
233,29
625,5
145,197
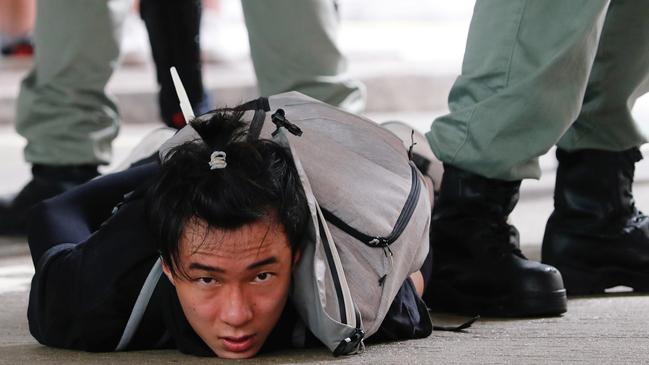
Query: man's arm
72,216
88,277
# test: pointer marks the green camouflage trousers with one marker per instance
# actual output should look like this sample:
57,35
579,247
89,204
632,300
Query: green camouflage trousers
539,73
67,117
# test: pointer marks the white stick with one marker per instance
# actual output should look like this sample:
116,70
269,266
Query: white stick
185,105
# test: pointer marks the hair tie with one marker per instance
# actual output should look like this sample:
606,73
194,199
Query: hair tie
217,160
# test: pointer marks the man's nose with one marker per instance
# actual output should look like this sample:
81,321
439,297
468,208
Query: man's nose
238,309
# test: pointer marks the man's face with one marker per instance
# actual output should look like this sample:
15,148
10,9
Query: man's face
237,286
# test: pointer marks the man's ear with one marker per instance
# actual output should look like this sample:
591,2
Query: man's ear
296,257
167,272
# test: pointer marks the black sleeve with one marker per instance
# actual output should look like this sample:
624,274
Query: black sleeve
72,216
89,269
407,317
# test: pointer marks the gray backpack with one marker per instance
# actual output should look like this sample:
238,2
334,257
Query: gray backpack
370,214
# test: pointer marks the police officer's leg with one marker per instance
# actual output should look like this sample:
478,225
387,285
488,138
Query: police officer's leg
522,85
293,47
173,27
63,110
524,74
595,236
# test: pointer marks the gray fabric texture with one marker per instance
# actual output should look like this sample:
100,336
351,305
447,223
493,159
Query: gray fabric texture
361,173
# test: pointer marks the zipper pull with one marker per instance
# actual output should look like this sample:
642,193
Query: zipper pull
388,254
382,279
378,242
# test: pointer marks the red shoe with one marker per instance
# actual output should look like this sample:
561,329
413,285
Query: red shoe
19,48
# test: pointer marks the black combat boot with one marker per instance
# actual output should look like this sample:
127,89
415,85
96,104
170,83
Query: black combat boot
478,267
596,236
47,182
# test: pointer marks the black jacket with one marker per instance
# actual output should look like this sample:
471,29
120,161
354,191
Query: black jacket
93,251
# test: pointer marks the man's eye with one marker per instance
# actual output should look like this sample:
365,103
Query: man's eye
264,276
206,281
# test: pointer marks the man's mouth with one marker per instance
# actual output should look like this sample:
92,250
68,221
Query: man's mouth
238,344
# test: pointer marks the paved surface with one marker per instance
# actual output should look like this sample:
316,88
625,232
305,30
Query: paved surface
406,81
609,329
597,330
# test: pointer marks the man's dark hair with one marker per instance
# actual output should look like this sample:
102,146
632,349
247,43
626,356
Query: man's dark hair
260,181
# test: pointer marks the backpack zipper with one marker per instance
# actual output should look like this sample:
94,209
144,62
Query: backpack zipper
345,301
399,226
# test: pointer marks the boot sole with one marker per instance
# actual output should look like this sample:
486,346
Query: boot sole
579,281
448,299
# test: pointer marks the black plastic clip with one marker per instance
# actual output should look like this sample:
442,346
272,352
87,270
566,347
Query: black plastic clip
412,144
279,119
350,344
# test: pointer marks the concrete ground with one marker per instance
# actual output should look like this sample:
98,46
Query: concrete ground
405,81
609,329
605,329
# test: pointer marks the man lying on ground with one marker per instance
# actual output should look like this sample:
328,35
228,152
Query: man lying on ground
227,217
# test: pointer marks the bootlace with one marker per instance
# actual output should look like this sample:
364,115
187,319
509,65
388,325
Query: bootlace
503,239
628,173
459,328
637,215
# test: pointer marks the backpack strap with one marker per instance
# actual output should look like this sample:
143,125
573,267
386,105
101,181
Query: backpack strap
260,106
141,303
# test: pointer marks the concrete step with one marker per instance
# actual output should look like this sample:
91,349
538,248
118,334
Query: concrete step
406,64
390,87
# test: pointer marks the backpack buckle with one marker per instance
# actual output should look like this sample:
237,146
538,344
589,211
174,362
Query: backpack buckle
279,119
350,344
